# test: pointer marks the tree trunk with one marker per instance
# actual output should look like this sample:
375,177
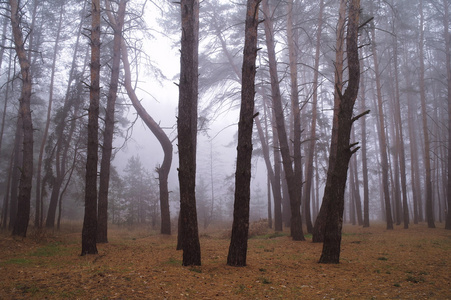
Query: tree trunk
187,130
337,173
163,170
23,203
448,72
427,155
320,223
107,149
293,177
89,233
240,227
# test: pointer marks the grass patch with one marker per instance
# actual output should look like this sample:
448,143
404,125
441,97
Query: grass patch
16,261
173,261
52,249
197,270
415,279
269,236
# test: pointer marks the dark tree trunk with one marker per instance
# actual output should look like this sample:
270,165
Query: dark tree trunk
240,228
23,200
89,233
187,130
337,175
320,223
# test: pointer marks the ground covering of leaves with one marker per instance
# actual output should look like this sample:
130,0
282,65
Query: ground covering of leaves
138,264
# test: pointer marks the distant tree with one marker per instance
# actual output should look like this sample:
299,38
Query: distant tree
66,119
337,173
363,150
23,202
240,227
312,138
187,131
293,176
39,187
381,132
89,232
424,115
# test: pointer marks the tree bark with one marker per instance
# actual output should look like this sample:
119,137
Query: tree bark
187,130
89,232
240,227
337,173
23,203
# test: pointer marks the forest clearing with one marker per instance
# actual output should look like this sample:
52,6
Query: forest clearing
137,264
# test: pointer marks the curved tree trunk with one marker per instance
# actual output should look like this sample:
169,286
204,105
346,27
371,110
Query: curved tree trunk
163,170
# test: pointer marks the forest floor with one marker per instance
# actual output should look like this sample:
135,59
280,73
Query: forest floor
138,264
